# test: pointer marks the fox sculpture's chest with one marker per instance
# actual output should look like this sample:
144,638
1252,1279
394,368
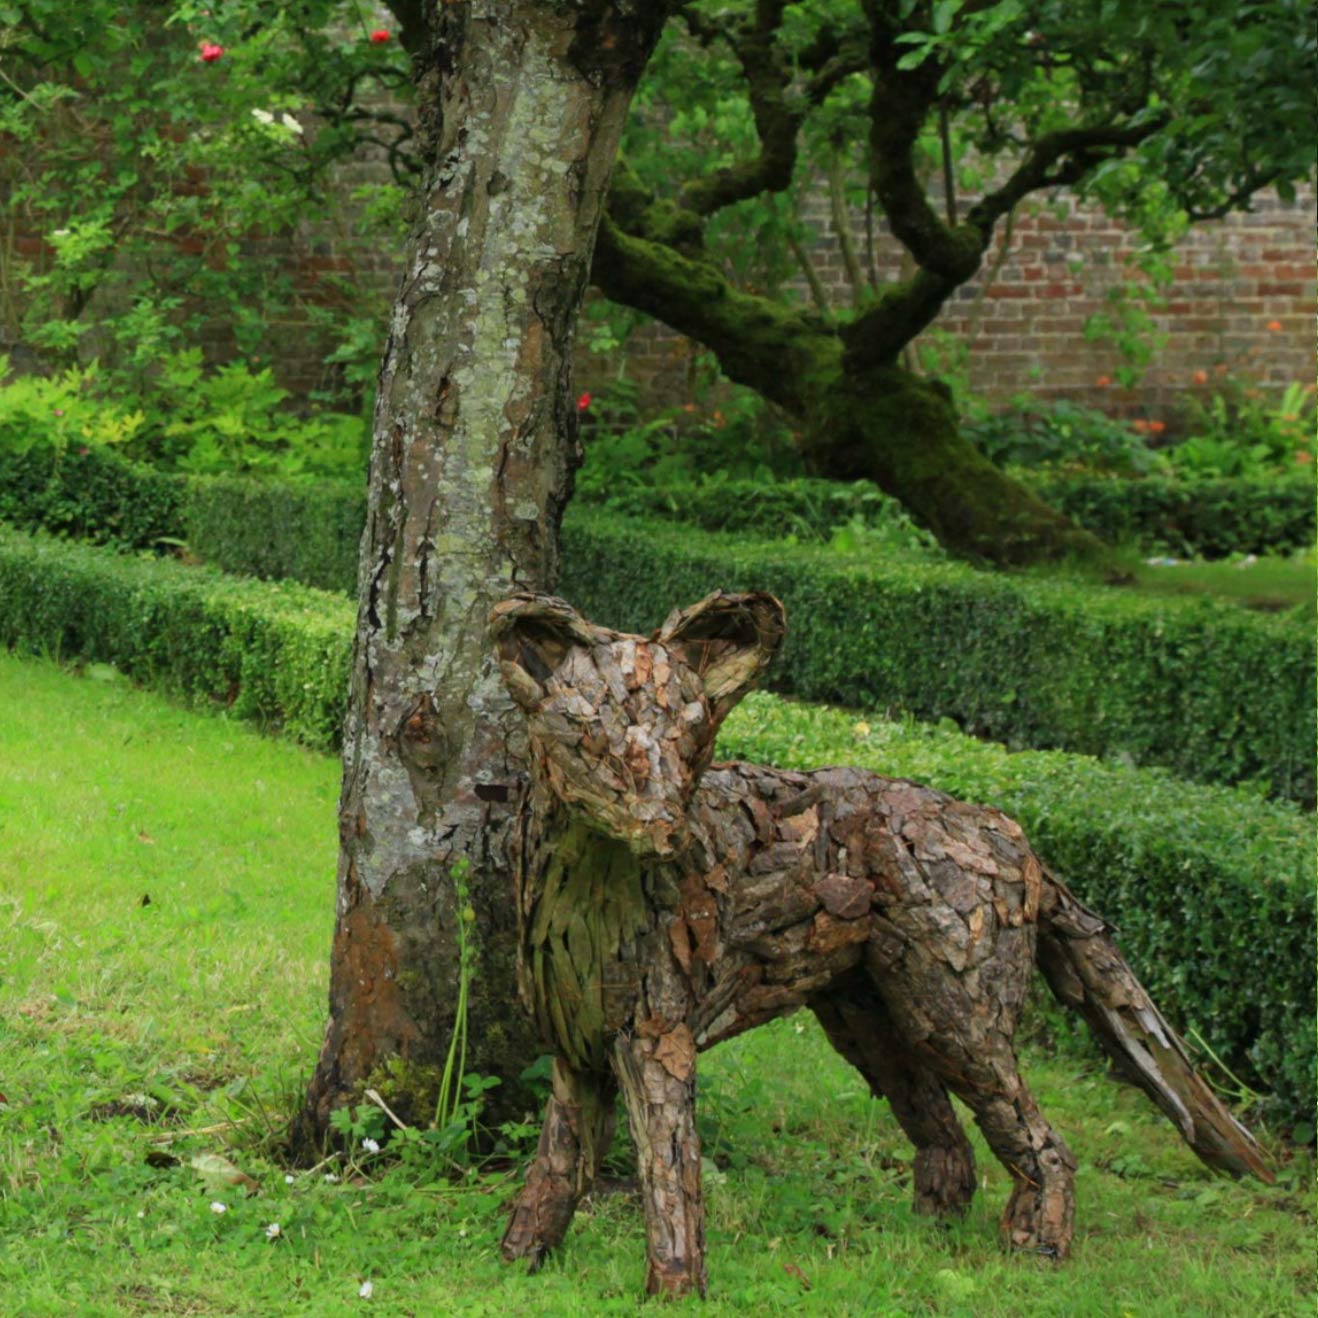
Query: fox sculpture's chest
789,879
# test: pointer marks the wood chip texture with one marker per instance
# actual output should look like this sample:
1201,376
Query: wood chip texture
666,903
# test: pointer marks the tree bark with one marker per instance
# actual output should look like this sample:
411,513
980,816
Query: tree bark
522,104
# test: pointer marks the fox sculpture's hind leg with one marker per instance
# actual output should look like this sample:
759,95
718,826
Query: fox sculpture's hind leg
859,1027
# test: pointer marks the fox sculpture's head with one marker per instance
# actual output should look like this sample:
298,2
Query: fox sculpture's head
622,726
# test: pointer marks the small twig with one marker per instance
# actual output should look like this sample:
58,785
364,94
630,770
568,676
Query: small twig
976,314
842,223
385,1108
817,289
949,183
167,1136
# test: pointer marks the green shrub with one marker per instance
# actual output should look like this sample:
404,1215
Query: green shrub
1052,433
1211,891
1149,679
1192,518
89,492
1034,663
308,531
803,508
275,652
1208,518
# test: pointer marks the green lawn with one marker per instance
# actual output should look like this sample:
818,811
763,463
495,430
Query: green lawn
1270,584
125,1023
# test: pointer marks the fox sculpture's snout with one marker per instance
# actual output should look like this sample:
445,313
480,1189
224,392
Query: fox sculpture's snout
665,903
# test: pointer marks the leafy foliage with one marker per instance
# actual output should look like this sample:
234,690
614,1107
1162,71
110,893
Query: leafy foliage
1240,431
161,152
1062,434
186,418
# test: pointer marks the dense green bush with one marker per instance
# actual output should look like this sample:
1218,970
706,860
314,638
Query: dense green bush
90,493
1211,891
1211,887
1215,692
276,652
309,531
804,508
1207,518
1034,663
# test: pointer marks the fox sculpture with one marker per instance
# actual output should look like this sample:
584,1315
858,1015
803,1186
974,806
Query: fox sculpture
666,903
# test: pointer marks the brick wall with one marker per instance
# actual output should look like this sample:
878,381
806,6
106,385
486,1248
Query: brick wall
1243,301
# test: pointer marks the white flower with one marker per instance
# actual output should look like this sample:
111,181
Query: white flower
272,1232
290,123
263,116
59,233
288,1180
365,1290
218,1207
331,1178
370,1145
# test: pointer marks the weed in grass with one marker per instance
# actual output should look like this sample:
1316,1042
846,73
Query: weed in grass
209,1001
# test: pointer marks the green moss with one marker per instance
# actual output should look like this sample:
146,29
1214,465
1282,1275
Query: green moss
901,432
410,1088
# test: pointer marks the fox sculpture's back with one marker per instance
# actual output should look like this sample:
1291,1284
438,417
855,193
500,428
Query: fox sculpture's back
666,903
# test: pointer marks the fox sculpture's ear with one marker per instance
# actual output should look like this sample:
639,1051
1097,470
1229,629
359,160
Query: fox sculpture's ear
728,640
533,635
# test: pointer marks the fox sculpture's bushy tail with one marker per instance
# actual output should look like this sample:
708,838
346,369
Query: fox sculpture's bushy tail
1085,971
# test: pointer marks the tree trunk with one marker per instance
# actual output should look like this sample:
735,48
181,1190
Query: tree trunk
521,105
901,432
860,419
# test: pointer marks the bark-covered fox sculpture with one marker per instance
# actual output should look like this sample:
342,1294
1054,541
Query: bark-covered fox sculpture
666,903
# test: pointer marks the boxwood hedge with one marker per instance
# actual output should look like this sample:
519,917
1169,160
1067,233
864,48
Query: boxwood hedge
1208,518
1204,518
277,652
1215,692
90,494
1211,887
1033,663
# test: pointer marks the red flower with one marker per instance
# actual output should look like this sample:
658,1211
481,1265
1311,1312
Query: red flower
1142,426
1274,325
1157,427
210,52
583,402
1103,381
1201,377
380,36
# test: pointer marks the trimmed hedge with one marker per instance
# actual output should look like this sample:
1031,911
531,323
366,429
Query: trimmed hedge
1211,887
1211,518
1208,518
1212,891
90,494
1034,663
308,531
1215,692
275,652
